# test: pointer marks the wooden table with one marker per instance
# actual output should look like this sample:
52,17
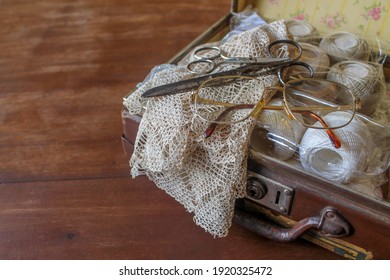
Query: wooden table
65,188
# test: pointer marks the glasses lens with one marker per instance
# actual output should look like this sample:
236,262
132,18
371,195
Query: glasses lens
310,100
228,99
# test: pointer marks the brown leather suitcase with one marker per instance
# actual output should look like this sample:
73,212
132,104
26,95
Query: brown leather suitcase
284,202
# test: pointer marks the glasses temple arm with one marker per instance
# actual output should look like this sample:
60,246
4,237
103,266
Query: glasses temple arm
333,137
211,128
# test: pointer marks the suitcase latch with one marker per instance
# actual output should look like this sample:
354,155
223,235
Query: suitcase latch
278,197
269,193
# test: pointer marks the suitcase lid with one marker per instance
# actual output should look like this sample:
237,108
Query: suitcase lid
368,17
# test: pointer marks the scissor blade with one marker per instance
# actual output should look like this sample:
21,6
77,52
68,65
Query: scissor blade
194,83
191,84
271,61
260,61
176,87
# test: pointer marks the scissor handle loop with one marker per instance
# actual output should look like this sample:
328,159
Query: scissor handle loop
292,64
218,54
288,42
210,66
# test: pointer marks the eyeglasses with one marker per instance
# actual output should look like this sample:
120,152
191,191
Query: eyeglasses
232,99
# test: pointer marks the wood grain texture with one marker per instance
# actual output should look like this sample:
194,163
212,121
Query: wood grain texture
119,218
64,69
65,189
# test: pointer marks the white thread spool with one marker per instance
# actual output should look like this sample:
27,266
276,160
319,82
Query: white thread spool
365,80
342,46
318,156
302,31
275,134
313,56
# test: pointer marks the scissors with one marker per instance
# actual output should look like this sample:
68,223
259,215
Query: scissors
210,58
251,67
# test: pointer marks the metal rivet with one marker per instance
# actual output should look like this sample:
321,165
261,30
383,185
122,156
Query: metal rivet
283,210
287,192
330,215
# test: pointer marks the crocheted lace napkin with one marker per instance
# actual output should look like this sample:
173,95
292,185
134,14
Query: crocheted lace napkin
205,175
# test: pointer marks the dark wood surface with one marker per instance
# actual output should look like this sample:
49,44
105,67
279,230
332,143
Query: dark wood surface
65,188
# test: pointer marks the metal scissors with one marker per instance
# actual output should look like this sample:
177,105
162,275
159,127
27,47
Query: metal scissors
210,58
251,67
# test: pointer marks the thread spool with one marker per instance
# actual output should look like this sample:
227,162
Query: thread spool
315,57
275,134
364,79
342,46
318,156
302,31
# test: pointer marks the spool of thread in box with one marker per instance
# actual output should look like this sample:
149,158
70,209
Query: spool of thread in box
275,134
342,46
364,79
302,31
318,156
315,57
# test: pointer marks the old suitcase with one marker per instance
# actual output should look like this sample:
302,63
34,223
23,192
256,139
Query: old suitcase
284,202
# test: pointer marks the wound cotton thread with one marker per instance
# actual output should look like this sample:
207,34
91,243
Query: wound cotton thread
318,156
275,134
364,79
302,31
342,46
315,57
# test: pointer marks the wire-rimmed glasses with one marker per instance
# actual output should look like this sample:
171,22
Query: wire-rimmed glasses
232,99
